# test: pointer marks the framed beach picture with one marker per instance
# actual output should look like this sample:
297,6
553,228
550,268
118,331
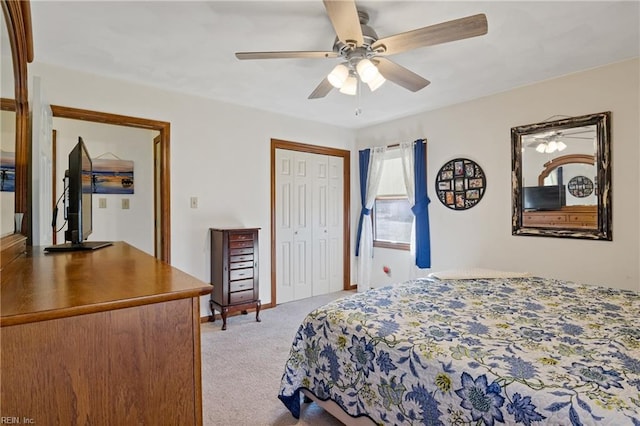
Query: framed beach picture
7,171
112,176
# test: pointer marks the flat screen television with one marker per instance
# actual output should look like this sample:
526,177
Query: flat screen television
544,197
79,214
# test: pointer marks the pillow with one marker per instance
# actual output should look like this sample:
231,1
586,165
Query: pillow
475,273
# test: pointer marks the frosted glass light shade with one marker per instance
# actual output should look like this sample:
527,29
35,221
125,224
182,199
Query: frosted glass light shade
551,147
377,81
366,70
561,146
350,86
338,76
541,147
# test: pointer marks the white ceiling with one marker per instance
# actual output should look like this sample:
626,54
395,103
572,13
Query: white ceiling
189,47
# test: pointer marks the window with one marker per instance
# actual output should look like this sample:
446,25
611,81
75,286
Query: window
392,221
392,216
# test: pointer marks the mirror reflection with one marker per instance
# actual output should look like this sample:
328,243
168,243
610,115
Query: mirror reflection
561,178
7,133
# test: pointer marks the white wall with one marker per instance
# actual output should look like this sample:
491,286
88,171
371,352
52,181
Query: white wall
219,153
133,225
480,130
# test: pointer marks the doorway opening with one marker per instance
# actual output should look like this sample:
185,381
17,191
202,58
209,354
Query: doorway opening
162,196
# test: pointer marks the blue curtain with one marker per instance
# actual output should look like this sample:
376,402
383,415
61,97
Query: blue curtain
363,158
420,209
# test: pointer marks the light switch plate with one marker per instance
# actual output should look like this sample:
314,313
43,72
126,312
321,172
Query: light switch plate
194,202
125,203
102,203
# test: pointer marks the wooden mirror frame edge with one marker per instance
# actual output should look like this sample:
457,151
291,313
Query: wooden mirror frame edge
18,18
551,165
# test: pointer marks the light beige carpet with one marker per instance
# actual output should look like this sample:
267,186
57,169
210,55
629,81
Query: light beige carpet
242,367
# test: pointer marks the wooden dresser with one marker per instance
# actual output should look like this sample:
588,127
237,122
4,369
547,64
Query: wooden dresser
104,337
234,271
576,217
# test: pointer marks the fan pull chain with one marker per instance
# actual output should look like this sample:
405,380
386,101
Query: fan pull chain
358,92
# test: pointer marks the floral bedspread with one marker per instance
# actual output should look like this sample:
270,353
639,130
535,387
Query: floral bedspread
472,352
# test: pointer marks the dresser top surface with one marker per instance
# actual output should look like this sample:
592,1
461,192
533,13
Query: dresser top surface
43,286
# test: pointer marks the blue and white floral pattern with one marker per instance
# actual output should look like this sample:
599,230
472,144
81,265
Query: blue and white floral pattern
474,352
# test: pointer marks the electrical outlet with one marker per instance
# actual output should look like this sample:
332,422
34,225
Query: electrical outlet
102,203
125,203
194,202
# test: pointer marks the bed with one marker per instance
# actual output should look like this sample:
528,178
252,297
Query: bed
472,352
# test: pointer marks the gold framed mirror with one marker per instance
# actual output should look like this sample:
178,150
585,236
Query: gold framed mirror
561,178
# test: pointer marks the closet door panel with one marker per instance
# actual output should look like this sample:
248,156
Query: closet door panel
303,229
320,224
335,223
284,225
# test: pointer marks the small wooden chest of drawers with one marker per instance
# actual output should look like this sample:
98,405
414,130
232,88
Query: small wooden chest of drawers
234,271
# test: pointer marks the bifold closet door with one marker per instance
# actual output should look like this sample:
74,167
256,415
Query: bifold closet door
309,224
293,226
327,229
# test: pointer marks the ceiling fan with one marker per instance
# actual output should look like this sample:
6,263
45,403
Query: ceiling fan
364,55
551,141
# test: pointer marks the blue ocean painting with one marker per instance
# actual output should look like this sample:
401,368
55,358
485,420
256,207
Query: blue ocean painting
7,171
112,176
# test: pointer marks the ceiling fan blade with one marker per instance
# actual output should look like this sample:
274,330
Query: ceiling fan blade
576,133
344,18
400,75
285,55
458,29
577,137
322,90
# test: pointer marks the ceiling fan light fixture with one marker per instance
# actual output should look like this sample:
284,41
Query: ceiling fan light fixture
338,76
366,70
350,86
551,147
542,147
363,53
377,81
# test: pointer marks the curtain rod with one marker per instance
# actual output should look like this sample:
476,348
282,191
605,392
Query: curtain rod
395,145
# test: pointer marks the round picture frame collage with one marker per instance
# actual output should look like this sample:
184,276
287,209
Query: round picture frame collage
460,184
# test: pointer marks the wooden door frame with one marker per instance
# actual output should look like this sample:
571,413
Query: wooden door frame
156,186
346,203
141,123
